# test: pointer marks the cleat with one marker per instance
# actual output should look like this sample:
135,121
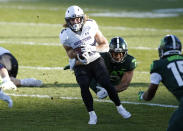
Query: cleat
102,93
31,82
93,118
123,112
6,98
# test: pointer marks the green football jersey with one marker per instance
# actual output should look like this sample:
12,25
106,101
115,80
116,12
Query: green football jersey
171,70
116,70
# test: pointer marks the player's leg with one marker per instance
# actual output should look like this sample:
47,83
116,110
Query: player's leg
83,78
103,79
175,122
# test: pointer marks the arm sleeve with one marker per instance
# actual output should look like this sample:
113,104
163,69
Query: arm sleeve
155,78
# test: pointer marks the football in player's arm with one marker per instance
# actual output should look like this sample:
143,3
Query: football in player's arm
82,40
168,70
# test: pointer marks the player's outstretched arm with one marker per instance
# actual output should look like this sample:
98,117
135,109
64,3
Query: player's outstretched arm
149,94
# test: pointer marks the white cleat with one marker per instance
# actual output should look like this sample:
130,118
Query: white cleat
31,82
123,112
93,118
102,93
8,85
6,98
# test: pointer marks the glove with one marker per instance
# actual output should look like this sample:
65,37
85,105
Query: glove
140,95
88,48
87,58
67,67
102,93
84,61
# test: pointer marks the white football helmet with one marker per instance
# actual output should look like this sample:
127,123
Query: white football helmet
74,12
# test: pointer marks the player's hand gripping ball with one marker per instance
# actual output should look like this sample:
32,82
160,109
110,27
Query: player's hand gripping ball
79,52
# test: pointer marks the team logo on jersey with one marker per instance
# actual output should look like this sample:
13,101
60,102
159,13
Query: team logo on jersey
84,40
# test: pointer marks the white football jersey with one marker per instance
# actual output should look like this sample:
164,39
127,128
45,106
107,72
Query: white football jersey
3,50
86,36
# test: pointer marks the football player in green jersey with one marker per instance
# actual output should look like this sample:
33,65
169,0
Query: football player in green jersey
120,66
168,70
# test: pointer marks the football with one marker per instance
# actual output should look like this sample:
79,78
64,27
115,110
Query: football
79,52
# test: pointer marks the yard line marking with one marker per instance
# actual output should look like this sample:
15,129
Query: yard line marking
30,7
42,68
97,100
59,68
29,24
105,27
58,44
29,43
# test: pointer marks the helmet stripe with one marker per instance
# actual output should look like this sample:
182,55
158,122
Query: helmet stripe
173,40
117,42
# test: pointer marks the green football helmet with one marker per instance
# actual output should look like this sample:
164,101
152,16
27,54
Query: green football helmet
169,45
118,49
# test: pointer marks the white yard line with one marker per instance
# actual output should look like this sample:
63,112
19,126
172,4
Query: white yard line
97,100
42,68
59,68
106,27
58,44
29,43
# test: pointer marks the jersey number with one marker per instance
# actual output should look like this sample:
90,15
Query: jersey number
176,72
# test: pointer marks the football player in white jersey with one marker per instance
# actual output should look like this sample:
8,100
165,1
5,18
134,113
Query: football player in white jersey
83,41
9,70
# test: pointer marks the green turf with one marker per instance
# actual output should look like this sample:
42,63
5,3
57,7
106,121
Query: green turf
39,22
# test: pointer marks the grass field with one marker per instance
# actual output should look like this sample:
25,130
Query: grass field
30,30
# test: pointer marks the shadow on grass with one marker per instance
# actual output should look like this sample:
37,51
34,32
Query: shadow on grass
139,84
60,85
136,84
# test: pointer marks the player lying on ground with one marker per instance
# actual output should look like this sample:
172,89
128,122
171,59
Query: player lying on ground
9,71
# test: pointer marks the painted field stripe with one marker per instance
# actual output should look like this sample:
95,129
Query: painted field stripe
105,27
42,68
29,43
97,100
58,44
59,68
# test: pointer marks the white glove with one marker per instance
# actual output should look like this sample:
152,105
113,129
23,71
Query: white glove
102,93
84,61
88,48
8,85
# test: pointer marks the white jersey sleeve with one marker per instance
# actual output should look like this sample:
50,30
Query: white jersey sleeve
3,51
64,37
155,78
